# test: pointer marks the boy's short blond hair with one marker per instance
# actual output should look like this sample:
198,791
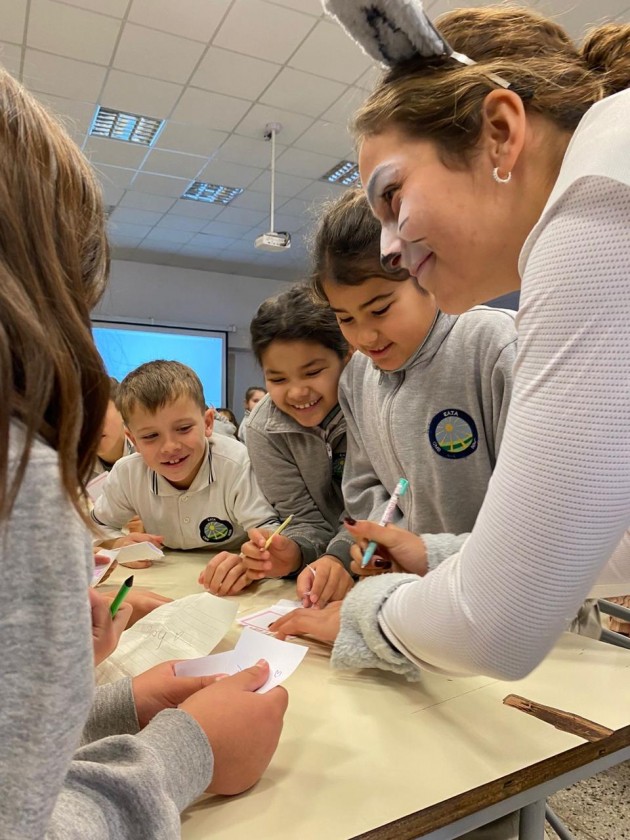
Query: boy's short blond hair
154,384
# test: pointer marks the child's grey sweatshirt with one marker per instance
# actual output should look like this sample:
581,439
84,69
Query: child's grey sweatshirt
68,773
436,421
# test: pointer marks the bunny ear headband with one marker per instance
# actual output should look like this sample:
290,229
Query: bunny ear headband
392,31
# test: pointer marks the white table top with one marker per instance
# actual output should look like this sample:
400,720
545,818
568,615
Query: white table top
360,750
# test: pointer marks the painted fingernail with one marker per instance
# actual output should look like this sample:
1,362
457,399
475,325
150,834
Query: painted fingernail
383,564
350,521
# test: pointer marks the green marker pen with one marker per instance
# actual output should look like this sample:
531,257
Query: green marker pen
121,595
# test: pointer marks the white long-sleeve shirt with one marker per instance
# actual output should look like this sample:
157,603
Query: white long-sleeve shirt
558,502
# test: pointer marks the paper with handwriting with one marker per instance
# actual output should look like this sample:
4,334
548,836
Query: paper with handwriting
188,627
283,659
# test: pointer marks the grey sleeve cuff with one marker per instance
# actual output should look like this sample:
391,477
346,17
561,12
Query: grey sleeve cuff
339,547
181,745
308,549
361,643
113,712
441,546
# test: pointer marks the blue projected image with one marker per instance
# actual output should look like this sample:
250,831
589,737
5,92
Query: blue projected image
124,348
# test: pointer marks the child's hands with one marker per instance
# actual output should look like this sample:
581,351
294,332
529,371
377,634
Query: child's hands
322,581
159,688
225,574
322,625
141,602
243,728
281,558
398,549
106,631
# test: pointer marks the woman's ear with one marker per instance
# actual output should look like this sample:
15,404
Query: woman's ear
504,128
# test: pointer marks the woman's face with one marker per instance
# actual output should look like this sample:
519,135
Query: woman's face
451,228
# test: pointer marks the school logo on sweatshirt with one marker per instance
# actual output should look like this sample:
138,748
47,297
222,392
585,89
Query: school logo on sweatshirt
453,433
213,530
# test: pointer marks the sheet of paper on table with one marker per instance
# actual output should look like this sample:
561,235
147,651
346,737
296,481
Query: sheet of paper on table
283,659
261,619
136,551
188,627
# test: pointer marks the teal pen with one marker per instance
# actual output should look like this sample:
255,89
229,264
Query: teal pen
121,595
386,518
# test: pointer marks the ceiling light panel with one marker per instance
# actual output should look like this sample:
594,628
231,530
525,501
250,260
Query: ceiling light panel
346,172
211,193
130,128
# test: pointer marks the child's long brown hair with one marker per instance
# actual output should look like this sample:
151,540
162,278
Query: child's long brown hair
53,269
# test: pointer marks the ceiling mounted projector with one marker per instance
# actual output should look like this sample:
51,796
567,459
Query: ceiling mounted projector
273,240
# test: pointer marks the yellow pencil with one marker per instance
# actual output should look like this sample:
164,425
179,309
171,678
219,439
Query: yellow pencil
278,530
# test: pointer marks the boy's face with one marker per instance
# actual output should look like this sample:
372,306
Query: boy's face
386,320
172,441
112,443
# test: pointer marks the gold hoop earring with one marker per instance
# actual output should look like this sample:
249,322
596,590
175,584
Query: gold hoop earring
499,179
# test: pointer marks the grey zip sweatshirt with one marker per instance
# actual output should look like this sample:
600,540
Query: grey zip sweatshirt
299,471
437,421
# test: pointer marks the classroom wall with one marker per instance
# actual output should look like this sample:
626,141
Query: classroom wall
194,298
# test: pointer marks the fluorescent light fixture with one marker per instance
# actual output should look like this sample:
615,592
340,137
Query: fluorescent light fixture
346,172
212,193
131,128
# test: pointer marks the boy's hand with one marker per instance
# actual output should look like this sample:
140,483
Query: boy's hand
322,625
135,525
159,688
398,549
281,558
225,574
142,603
106,631
243,728
322,581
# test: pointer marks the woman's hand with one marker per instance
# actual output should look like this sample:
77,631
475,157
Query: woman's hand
398,550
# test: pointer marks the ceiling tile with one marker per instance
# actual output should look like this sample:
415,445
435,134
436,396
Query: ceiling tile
181,223
281,222
115,152
262,30
76,116
116,8
321,191
293,125
190,139
145,201
210,244
139,94
11,58
174,163
112,195
195,209
157,54
327,138
217,228
302,92
122,245
256,152
58,75
12,16
309,7
305,164
344,60
241,216
344,108
114,176
127,215
161,184
229,174
128,230
254,201
196,19
286,185
213,110
369,79
234,74
178,237
72,32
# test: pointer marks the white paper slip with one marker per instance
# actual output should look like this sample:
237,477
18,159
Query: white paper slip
283,659
261,619
136,551
102,571
188,627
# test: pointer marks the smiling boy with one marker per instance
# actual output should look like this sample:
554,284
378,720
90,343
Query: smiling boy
192,492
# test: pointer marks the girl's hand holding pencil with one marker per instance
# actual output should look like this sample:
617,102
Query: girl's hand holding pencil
106,631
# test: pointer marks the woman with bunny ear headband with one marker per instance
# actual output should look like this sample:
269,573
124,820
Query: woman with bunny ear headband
481,189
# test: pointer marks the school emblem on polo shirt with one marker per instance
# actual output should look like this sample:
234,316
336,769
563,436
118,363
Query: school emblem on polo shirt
213,530
453,433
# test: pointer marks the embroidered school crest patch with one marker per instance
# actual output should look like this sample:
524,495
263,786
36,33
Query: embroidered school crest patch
213,530
453,433
338,463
